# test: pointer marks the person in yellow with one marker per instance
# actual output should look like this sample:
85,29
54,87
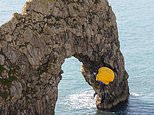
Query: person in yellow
104,76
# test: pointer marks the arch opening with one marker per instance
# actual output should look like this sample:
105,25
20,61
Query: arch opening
74,94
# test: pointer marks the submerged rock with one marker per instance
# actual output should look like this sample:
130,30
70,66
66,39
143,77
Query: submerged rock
35,44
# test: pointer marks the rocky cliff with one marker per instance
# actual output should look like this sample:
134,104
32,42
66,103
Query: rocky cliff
34,45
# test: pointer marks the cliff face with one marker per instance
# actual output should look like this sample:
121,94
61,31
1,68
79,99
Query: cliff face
34,45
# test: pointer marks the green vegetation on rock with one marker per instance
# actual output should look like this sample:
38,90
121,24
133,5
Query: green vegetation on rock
8,81
1,69
4,95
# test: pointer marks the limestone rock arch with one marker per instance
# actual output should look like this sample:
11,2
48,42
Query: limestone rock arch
34,45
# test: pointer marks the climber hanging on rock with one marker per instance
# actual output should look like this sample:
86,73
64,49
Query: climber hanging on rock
104,76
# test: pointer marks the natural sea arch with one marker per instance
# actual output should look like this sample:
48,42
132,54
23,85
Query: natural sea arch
34,45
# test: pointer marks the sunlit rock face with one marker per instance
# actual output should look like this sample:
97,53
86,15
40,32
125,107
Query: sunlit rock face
34,45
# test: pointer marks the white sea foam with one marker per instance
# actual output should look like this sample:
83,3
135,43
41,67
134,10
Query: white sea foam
134,94
82,100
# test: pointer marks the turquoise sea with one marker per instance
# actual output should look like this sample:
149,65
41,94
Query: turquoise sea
135,20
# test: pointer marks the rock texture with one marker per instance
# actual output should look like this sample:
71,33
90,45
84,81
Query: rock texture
34,45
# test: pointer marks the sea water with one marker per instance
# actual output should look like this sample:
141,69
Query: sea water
135,19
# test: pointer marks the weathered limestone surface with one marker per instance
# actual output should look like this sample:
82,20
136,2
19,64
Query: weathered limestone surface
34,45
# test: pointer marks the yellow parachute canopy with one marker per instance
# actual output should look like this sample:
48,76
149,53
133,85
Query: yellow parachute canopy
105,75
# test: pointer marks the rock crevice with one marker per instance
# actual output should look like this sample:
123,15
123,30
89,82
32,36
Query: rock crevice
34,45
